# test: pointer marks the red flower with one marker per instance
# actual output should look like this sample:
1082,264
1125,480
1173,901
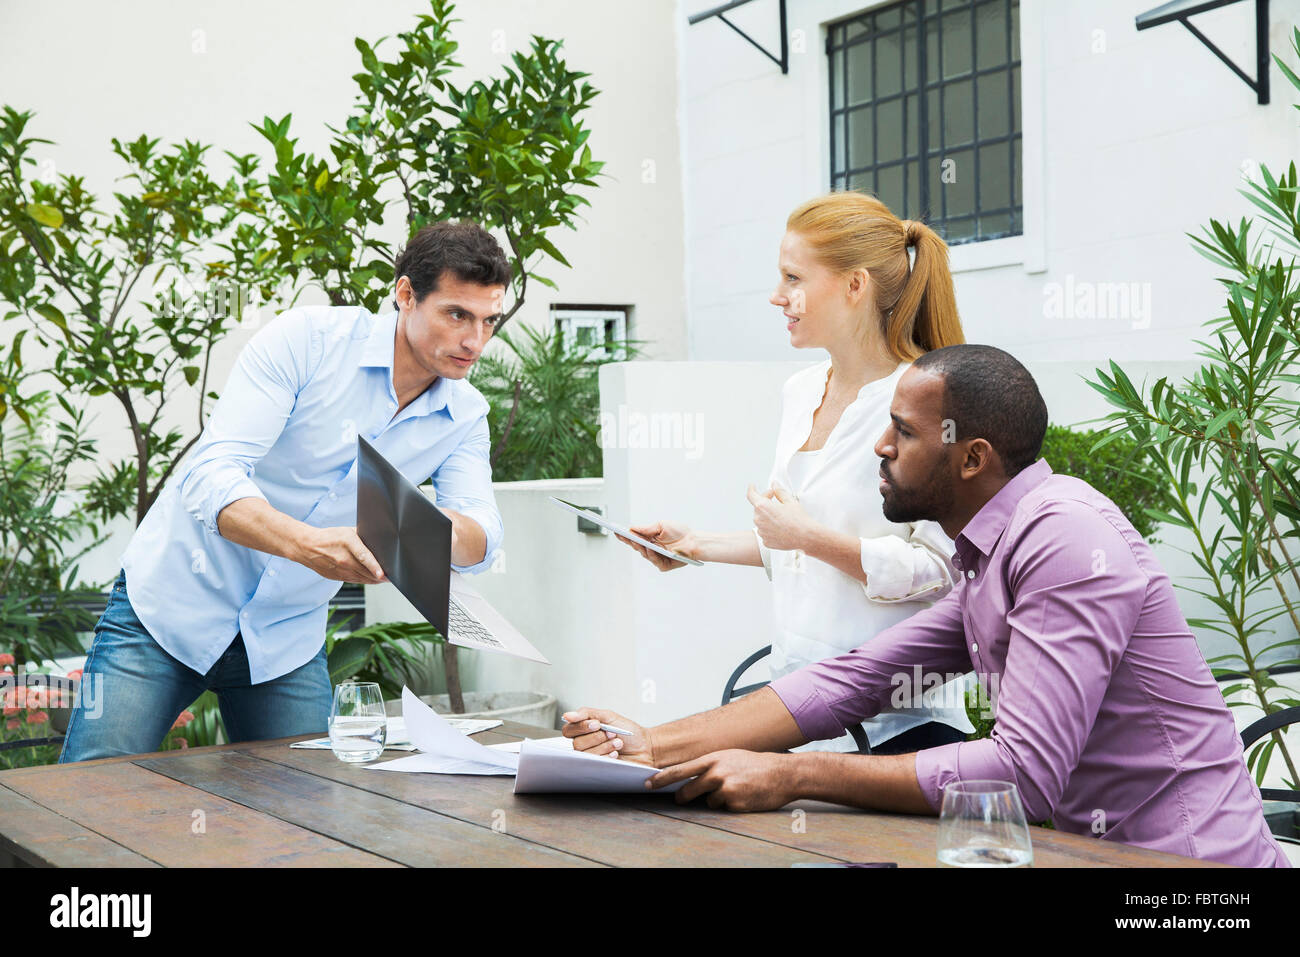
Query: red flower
182,742
6,659
75,674
37,717
11,723
182,719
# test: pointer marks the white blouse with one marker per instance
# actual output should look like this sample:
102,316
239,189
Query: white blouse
820,612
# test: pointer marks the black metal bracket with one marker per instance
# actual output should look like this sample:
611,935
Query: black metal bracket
1180,10
783,61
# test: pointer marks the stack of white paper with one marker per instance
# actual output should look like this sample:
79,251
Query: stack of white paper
549,765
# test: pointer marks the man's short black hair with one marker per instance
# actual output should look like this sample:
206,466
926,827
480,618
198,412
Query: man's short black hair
989,395
465,248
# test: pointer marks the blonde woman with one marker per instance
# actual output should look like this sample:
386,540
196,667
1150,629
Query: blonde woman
840,572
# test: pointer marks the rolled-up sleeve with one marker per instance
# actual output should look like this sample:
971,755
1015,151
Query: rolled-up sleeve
248,418
826,697
1077,592
463,483
917,567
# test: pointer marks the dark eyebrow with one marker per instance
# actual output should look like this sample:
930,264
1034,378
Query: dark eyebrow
457,307
900,422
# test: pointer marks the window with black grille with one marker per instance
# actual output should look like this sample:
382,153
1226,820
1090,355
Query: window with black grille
925,113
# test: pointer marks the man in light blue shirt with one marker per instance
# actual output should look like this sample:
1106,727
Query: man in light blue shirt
232,569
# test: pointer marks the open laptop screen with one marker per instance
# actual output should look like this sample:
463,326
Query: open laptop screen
417,559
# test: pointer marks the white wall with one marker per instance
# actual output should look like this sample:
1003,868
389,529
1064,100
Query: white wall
1127,149
205,70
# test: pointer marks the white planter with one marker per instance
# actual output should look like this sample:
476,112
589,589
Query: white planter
525,707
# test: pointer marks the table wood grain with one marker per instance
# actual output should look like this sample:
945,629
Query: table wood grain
263,804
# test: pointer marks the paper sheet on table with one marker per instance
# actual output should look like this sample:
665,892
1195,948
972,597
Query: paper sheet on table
549,765
444,750
513,746
397,739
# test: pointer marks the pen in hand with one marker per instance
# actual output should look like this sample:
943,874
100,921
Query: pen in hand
605,727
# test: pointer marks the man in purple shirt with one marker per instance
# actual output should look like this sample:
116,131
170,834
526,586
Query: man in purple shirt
1108,719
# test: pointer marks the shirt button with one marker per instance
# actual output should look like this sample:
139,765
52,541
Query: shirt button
271,572
971,573
332,495
974,647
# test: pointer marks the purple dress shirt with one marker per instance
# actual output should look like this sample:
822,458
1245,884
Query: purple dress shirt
1109,721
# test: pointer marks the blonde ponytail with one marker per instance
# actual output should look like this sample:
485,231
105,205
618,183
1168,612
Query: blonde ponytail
915,300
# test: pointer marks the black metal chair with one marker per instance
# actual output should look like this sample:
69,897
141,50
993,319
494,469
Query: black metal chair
1266,725
730,692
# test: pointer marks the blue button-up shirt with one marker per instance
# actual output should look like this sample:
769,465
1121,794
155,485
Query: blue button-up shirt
285,430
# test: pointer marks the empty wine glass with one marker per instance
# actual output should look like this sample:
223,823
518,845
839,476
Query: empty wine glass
982,824
358,723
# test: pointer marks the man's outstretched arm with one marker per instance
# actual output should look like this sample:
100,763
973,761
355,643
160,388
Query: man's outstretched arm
722,748
756,722
727,752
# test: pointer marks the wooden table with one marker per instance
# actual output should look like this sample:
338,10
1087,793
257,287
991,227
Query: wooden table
262,804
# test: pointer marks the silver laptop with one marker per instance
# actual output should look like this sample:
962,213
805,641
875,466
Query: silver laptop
410,537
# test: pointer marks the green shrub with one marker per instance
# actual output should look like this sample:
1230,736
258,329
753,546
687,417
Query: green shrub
1119,470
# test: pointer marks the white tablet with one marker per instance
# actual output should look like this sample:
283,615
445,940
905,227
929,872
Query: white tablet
627,533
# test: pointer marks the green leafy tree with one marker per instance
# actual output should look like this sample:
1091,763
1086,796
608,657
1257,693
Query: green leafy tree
508,153
130,302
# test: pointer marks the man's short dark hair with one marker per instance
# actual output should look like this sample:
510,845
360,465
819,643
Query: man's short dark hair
989,395
465,248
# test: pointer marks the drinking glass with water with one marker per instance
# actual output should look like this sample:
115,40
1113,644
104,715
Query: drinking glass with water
358,723
982,824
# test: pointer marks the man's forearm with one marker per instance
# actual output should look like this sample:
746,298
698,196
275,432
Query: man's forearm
252,522
756,722
885,782
468,540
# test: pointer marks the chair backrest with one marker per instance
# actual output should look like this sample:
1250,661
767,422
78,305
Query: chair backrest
1267,725
731,692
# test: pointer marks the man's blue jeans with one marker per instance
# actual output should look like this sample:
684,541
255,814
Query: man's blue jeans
139,690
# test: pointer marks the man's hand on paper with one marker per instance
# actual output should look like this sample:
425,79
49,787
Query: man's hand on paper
675,538
734,780
583,728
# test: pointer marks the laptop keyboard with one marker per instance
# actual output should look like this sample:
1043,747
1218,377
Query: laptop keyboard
460,624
